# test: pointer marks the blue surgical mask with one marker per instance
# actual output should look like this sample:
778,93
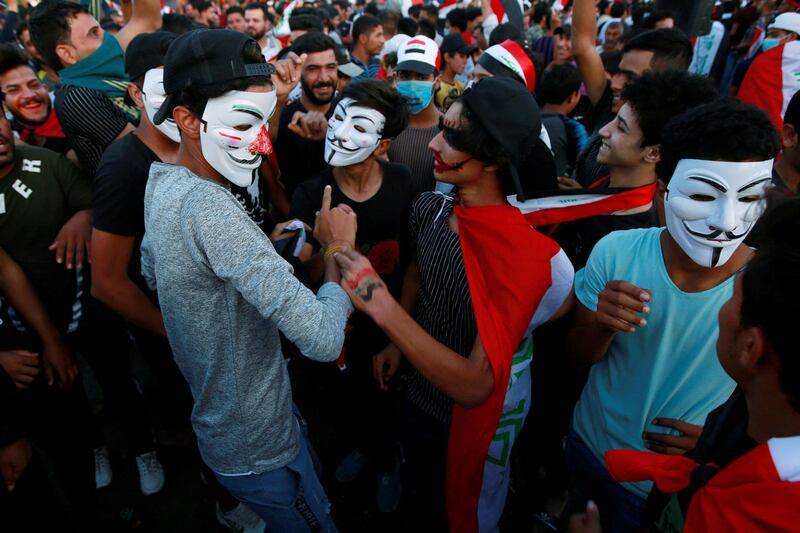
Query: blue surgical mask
769,43
418,94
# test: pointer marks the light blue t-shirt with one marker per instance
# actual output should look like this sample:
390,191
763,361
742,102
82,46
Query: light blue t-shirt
668,368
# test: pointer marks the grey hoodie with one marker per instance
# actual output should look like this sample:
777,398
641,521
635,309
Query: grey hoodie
224,294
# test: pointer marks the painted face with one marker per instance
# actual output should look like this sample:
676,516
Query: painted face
154,96
353,133
712,205
234,133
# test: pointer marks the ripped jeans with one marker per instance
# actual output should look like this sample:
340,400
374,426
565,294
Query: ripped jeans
289,499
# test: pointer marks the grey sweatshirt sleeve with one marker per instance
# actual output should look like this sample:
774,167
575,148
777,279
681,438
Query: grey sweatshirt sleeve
218,232
148,270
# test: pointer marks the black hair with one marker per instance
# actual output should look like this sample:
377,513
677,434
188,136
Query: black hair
309,23
655,17
426,28
313,42
390,60
639,12
770,285
50,27
792,115
263,7
611,61
108,24
364,25
175,23
408,26
380,96
415,11
234,9
195,97
389,20
431,9
458,18
372,9
672,49
506,31
602,5
201,5
723,130
473,13
619,9
344,4
558,83
12,57
542,11
656,97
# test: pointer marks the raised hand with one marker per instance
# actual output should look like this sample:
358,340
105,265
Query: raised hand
334,225
359,280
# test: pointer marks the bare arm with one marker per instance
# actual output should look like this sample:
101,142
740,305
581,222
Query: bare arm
587,342
145,17
584,36
112,286
277,194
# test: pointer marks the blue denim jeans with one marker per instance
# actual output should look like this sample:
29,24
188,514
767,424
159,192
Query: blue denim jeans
289,499
621,510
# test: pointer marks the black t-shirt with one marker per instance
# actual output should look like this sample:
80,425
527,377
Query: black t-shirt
37,197
558,140
587,170
91,122
601,114
578,238
381,236
299,159
118,201
724,439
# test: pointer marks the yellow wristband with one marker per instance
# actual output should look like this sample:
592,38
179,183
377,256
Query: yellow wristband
333,249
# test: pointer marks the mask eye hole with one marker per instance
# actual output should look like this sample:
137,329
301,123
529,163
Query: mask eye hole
360,129
702,198
338,117
242,127
749,199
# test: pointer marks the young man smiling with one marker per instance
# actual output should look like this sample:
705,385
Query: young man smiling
225,293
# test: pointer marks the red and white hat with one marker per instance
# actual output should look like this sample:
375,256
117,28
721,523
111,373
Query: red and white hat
419,54
509,59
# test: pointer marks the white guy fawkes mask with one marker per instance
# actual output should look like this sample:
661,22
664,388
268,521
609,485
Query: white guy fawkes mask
354,132
234,133
154,96
711,206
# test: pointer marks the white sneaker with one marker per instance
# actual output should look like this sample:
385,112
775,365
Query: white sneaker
151,473
241,519
102,468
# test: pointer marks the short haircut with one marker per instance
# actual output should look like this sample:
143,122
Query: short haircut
201,5
558,84
619,9
656,97
770,295
408,26
372,9
175,23
723,130
380,96
458,18
195,97
264,9
541,11
792,115
309,23
364,25
50,26
12,57
415,11
431,10
313,42
473,13
615,25
672,49
389,20
426,28
506,31
611,61
234,9
602,5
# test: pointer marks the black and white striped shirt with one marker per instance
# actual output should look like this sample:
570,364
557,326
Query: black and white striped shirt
444,308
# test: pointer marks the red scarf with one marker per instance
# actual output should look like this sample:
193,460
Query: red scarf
50,128
750,494
508,270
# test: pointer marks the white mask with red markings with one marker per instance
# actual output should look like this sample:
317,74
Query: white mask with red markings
234,134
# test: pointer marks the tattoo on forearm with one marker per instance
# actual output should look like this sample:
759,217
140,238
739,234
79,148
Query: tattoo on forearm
365,283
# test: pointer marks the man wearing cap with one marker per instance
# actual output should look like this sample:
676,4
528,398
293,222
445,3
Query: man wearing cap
416,79
347,69
455,52
90,101
469,346
224,292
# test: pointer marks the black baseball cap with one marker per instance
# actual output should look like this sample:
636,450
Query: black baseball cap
454,43
146,51
206,57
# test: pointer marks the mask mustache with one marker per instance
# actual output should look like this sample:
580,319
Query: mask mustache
716,233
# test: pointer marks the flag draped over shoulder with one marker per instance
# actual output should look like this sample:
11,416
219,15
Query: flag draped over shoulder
772,80
508,270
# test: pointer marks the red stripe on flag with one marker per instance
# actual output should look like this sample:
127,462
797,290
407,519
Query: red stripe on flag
763,84
630,199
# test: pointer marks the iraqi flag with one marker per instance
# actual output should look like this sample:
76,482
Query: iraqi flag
509,11
759,491
772,80
508,267
706,48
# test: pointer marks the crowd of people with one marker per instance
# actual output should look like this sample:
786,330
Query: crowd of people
404,246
